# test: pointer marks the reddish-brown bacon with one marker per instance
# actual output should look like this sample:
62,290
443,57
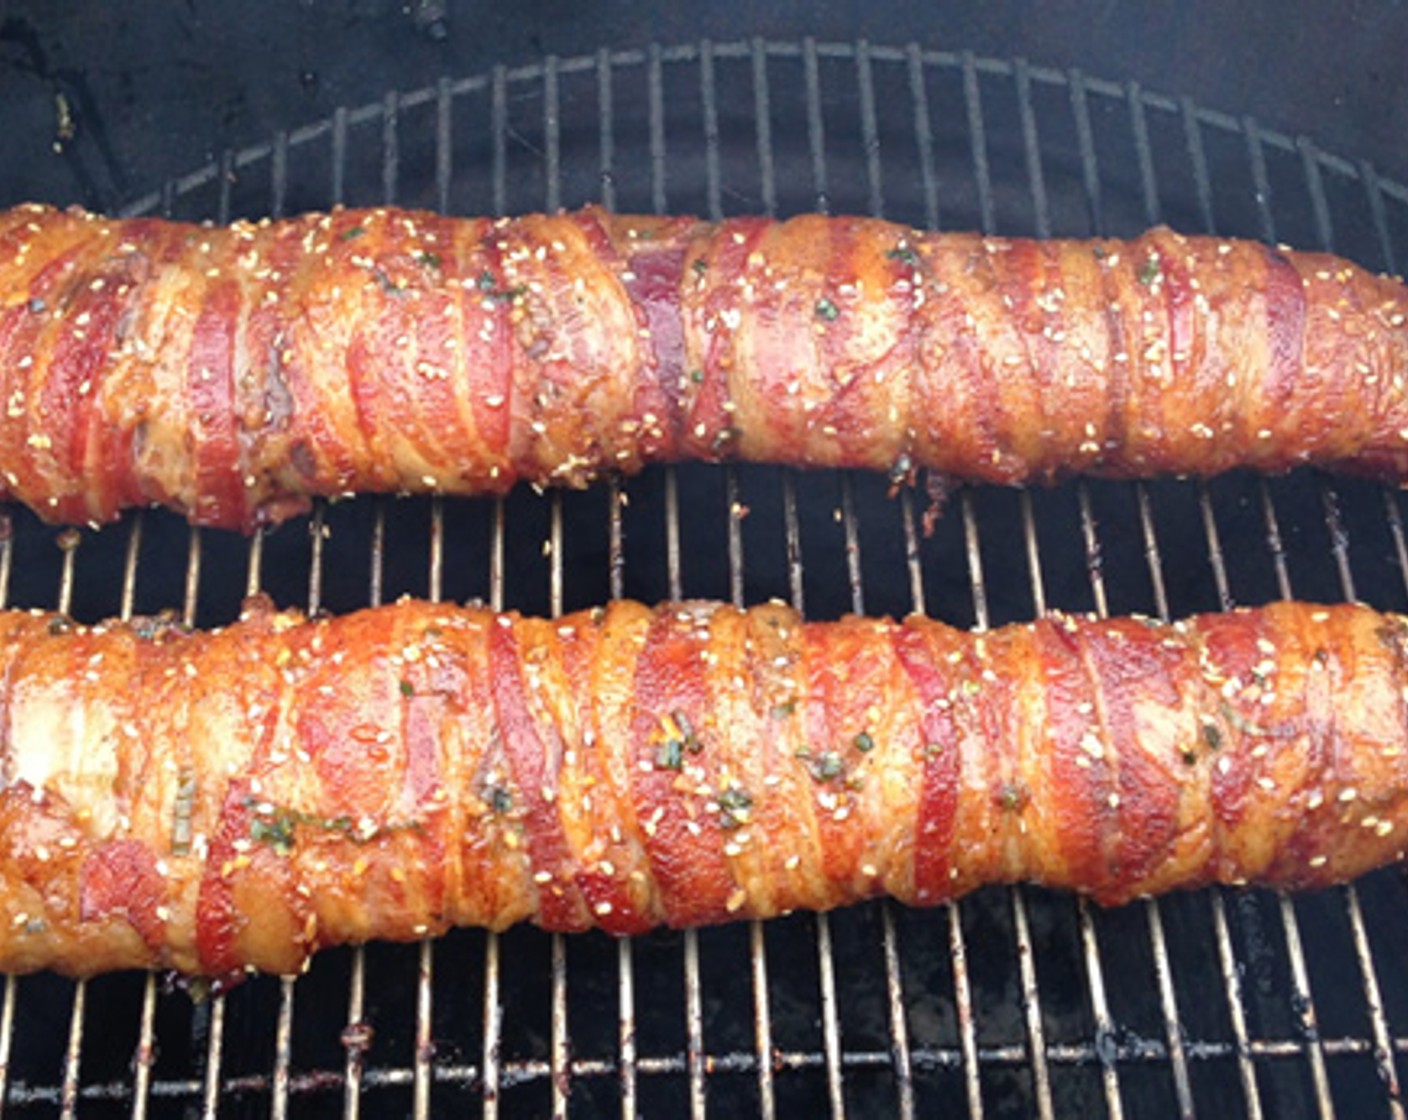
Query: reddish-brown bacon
211,802
235,373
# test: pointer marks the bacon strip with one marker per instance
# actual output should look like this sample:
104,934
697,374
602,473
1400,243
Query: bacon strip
236,373
211,802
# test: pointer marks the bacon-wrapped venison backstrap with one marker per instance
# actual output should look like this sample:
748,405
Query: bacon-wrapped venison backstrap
232,373
211,802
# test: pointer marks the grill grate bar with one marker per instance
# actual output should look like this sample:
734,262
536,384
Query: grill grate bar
1315,183
278,174
957,950
762,116
1089,935
869,129
1041,216
1215,558
1374,189
928,1057
1085,143
894,982
213,1026
1163,969
625,959
923,136
283,1031
1302,1002
493,1007
69,1095
606,135
978,137
1026,961
561,1041
145,1057
1227,957
816,135
1198,160
68,541
911,552
425,964
827,967
958,953
1144,153
1395,526
1373,998
656,93
1168,999
1151,551
756,937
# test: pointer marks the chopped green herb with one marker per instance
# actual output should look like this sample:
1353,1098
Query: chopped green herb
430,260
276,831
697,376
735,804
687,732
407,688
488,283
864,743
354,232
904,254
185,806
782,711
500,799
670,756
1012,796
1150,273
1190,757
1213,735
1099,251
827,310
825,766
276,825
700,266
387,285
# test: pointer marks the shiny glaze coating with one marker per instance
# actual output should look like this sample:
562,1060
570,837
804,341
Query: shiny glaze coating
235,373
212,802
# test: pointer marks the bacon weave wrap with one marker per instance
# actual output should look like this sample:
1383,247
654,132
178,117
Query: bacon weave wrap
234,373
212,802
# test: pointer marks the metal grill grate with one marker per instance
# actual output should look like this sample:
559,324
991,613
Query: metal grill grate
1010,1001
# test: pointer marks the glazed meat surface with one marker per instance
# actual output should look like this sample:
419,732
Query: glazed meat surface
212,802
235,373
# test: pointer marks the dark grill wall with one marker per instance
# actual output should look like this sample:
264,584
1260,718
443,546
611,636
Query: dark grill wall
1010,1004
